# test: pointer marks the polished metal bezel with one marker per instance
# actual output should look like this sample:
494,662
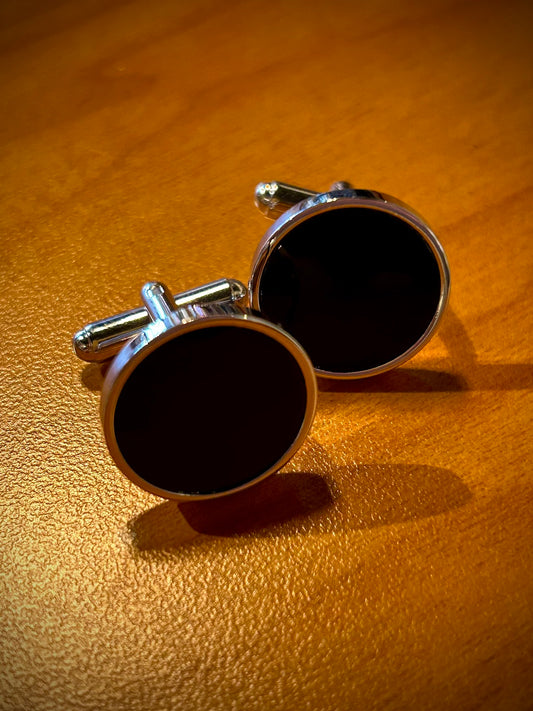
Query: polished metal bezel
152,338
334,200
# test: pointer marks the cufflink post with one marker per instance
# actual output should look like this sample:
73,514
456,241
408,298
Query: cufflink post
274,198
103,339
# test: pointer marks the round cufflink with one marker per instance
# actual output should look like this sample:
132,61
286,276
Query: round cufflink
203,398
356,276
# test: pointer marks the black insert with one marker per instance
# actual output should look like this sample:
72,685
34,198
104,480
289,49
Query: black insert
356,287
210,410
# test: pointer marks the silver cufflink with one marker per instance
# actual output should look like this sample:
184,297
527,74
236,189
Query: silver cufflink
356,276
203,398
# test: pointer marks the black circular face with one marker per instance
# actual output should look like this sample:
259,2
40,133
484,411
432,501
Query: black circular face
210,410
356,287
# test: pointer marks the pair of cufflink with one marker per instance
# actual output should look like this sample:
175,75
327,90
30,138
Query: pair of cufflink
213,389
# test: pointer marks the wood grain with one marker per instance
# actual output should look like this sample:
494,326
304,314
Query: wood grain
389,565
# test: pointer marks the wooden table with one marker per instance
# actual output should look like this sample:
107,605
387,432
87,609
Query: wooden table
390,565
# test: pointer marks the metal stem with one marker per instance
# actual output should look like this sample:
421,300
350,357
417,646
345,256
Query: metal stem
101,340
160,303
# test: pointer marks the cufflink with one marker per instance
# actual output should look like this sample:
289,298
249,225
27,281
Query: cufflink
203,398
356,276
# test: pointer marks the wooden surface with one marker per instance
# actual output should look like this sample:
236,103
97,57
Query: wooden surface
390,565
